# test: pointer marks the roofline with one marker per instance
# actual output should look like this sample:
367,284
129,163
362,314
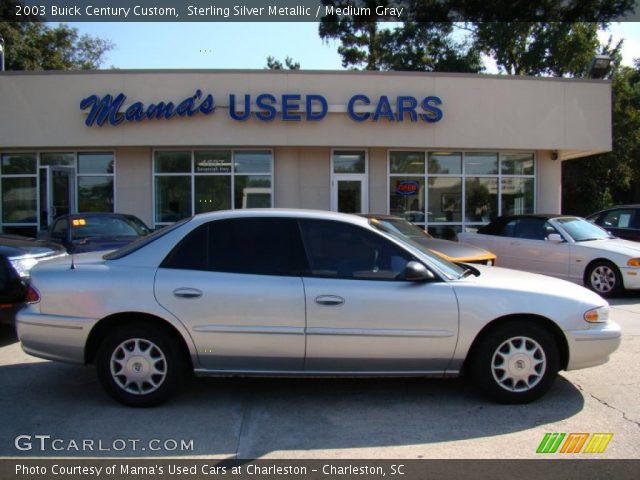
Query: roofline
164,71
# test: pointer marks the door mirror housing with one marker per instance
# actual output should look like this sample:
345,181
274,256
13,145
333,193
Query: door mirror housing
417,272
555,237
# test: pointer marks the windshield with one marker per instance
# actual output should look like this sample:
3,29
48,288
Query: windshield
450,270
142,241
94,227
581,230
399,226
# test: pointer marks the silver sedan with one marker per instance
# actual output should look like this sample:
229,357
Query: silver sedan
295,292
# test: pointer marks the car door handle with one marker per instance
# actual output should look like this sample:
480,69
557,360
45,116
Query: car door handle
187,292
329,300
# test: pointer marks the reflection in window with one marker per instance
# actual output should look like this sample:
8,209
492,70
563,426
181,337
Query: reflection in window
95,194
481,163
58,159
215,179
444,163
517,164
349,161
481,199
19,200
19,164
98,163
445,199
407,197
517,196
406,162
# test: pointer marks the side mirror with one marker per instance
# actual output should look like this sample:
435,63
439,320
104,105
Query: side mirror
555,237
417,272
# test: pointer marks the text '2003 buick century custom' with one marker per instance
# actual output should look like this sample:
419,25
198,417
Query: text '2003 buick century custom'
296,292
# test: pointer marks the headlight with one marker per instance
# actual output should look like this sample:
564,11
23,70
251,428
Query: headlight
23,265
597,315
634,262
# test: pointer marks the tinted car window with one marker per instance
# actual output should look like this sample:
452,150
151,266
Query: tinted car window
618,219
260,246
340,250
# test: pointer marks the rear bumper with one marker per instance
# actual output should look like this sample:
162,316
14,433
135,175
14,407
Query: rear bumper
592,346
53,337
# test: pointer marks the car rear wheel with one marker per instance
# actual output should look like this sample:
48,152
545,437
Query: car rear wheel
140,365
604,278
515,362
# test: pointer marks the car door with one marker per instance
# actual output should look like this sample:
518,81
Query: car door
361,314
532,251
236,285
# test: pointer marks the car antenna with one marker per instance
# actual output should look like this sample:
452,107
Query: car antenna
73,263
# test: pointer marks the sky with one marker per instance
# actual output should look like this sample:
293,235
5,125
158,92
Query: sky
233,45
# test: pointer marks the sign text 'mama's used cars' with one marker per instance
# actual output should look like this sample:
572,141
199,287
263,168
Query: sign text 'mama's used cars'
299,292
562,246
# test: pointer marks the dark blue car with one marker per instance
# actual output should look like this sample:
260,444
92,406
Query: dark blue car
91,232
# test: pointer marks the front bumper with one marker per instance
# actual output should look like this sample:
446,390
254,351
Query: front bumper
53,337
631,278
592,346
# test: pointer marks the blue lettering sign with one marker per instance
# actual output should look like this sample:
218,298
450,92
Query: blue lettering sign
108,109
324,108
432,114
265,102
290,104
247,108
358,117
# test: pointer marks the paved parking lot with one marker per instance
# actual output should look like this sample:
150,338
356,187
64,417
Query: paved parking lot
55,409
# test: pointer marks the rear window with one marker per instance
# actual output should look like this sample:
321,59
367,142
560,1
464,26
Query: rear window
143,241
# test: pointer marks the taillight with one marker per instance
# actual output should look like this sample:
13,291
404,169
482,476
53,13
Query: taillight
33,296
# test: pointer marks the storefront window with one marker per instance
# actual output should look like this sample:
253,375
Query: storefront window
406,162
445,199
19,164
480,163
95,194
173,198
19,200
444,163
407,198
57,159
215,179
95,163
461,188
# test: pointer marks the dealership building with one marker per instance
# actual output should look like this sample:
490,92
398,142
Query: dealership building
447,151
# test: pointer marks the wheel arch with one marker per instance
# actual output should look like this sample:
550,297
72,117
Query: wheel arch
549,325
101,330
594,261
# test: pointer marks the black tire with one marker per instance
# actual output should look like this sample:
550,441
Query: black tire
604,278
508,376
132,381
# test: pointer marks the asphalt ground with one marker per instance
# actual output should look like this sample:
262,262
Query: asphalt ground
49,409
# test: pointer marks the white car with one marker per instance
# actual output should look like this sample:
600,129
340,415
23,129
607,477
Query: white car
562,246
298,292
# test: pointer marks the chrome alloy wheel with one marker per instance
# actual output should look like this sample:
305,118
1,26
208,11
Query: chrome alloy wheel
138,366
518,364
603,279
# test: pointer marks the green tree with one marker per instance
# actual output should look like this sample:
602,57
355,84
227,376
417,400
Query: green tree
33,45
613,177
367,42
273,64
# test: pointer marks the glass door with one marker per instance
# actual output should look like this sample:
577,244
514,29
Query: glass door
57,193
349,193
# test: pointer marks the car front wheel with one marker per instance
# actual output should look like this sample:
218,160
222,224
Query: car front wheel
515,362
604,278
140,365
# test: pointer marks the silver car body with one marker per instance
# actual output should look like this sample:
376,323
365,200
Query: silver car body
259,324
566,259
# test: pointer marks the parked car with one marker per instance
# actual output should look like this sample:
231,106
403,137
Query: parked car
90,232
13,291
452,251
566,247
622,221
299,292
25,252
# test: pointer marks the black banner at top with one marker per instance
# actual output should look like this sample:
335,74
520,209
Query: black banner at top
316,10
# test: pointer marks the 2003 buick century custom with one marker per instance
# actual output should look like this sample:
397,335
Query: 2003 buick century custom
296,292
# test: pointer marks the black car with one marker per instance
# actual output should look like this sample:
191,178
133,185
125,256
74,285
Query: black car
13,291
622,221
24,252
91,232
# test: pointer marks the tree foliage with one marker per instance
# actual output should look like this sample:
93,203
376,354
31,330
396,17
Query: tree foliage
613,177
33,45
274,64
